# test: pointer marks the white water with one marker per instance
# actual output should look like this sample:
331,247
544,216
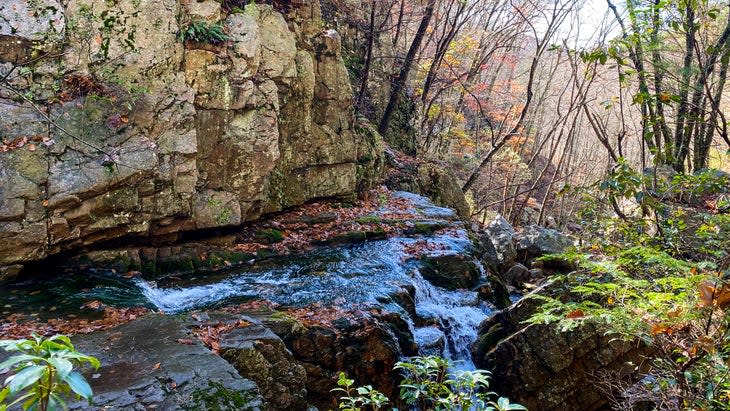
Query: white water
458,314
350,276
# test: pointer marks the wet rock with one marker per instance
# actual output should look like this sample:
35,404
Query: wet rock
431,340
535,241
425,227
494,291
430,179
450,271
258,354
320,218
144,367
543,368
366,348
9,273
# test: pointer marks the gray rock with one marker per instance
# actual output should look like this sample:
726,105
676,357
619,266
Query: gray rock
257,353
131,379
498,242
516,275
535,241
543,368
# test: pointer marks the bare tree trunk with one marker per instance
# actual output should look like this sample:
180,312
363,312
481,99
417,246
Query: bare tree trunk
400,82
368,59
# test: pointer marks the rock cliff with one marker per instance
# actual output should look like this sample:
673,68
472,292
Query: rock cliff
116,122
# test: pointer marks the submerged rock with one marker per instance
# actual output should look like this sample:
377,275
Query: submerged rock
450,271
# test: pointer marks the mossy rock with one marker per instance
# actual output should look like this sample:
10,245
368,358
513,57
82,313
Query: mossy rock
426,227
269,236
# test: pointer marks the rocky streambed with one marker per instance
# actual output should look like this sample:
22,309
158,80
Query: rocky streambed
266,317
284,323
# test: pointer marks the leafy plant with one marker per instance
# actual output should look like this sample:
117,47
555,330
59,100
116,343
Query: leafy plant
204,32
429,385
668,288
43,373
360,398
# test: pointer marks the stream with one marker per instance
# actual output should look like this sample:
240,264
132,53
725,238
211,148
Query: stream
352,276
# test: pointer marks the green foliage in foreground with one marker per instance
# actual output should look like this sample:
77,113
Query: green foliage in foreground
204,32
428,385
662,279
42,373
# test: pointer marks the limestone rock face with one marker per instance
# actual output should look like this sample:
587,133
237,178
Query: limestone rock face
151,136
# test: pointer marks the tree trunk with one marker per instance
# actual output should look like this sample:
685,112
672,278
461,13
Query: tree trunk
400,82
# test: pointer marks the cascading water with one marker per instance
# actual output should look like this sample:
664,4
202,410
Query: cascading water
350,276
371,273
458,314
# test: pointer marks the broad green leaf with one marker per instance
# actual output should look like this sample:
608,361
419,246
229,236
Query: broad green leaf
25,378
79,385
83,358
19,358
63,366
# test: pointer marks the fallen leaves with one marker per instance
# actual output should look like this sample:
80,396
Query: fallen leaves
575,314
210,334
22,326
714,295
316,223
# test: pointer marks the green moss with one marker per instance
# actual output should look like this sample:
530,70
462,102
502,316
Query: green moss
269,236
216,397
427,227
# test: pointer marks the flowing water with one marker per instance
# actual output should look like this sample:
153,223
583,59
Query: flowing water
352,276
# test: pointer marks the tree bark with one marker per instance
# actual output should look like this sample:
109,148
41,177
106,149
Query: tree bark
400,82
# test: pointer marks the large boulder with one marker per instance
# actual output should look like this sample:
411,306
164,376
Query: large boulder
543,368
365,347
258,354
497,241
535,241
450,271
431,179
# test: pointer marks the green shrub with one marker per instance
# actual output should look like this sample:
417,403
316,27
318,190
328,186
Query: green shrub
428,385
204,32
43,373
216,397
663,280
